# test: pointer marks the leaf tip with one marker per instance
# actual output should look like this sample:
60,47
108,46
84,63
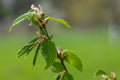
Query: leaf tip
99,72
33,65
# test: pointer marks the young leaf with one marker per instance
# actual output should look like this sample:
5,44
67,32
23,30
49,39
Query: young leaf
49,52
35,21
57,67
22,18
34,40
27,48
67,76
72,59
43,16
36,54
100,72
60,21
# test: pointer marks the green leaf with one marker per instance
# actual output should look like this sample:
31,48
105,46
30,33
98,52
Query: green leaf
72,59
60,21
43,16
36,54
22,18
49,52
25,49
57,67
34,40
35,21
28,47
100,72
67,76
58,77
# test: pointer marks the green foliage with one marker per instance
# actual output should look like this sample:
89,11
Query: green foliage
57,67
35,21
66,76
100,72
58,77
36,54
49,52
53,57
22,18
60,21
106,76
28,47
72,59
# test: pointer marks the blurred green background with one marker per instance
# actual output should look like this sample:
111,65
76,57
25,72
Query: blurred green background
94,37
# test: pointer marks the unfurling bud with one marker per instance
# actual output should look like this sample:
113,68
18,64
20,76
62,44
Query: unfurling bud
113,74
59,50
34,8
38,10
38,33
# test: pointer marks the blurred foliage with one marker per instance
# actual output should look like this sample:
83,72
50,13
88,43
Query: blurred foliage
3,11
93,48
22,6
88,14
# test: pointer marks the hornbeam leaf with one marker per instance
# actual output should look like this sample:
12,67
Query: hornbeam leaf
72,59
28,47
60,21
57,67
25,49
34,40
49,52
22,18
36,54
35,21
67,76
100,72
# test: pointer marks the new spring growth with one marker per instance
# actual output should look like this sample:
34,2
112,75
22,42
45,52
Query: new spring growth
38,10
61,52
44,44
110,77
43,18
42,37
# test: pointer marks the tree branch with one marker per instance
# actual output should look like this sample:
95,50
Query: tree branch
62,62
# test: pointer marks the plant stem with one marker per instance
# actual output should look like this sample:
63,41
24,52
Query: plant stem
44,27
59,56
41,30
62,62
